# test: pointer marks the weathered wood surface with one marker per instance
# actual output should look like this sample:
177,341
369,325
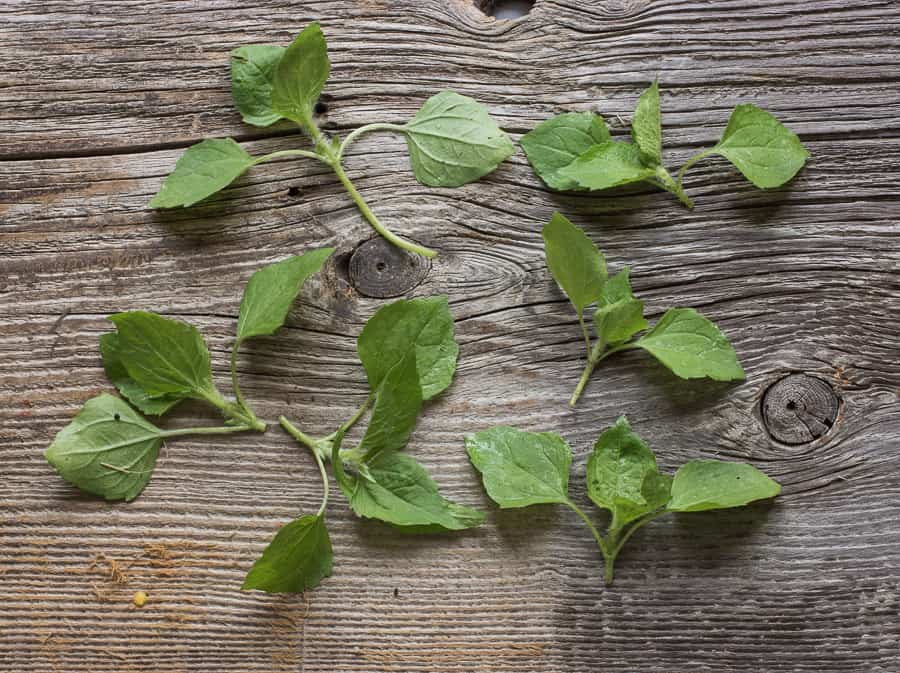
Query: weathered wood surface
97,100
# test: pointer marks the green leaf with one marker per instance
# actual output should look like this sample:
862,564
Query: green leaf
622,476
609,165
130,389
300,76
619,315
202,170
692,347
297,558
397,405
646,127
760,147
271,291
557,142
164,356
521,468
252,77
576,264
452,140
421,325
108,449
397,489
713,484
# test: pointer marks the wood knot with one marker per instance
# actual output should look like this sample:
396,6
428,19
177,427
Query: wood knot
505,9
799,409
380,269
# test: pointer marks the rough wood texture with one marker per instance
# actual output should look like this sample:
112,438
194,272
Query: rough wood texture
98,99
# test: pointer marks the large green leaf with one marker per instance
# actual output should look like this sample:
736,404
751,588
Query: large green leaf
452,140
557,142
271,291
761,148
108,449
300,76
398,490
423,326
622,476
576,264
713,484
130,389
297,558
202,170
252,76
163,356
692,346
609,165
397,404
521,468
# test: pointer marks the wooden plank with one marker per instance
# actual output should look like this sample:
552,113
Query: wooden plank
803,279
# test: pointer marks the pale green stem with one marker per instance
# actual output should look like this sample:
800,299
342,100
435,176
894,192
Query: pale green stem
667,183
616,544
584,333
368,128
288,153
596,356
333,159
234,380
305,439
690,162
601,543
217,430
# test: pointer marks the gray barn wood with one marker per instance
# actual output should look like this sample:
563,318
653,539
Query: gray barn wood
98,99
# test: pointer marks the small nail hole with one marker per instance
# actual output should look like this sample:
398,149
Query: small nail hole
294,191
321,108
791,405
381,266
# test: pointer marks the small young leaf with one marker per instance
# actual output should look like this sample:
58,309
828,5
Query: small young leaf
108,449
576,264
622,473
713,484
619,315
202,170
692,347
609,165
297,558
646,126
521,468
397,489
163,356
397,405
421,325
272,289
452,140
252,74
130,389
300,76
557,142
760,147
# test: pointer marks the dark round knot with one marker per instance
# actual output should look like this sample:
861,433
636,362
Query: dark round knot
381,269
799,409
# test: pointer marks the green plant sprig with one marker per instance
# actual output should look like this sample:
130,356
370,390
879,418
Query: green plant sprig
409,353
683,340
521,468
452,139
574,150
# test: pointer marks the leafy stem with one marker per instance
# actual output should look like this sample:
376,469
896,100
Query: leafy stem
368,128
666,182
234,411
216,430
596,354
287,153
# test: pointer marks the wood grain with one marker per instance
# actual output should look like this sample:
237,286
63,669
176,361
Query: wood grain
98,99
